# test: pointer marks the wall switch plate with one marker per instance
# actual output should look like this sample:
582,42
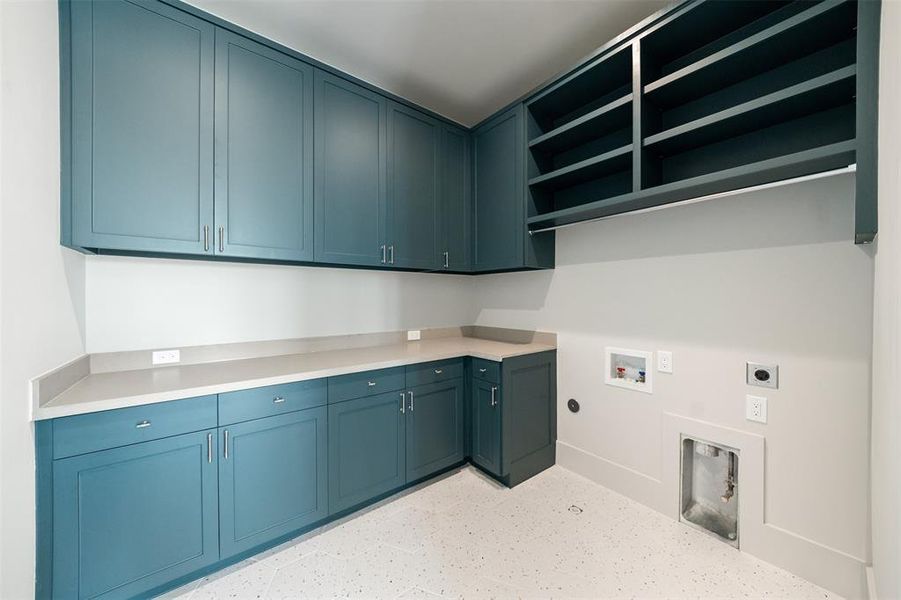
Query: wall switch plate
413,335
755,408
664,361
762,375
165,357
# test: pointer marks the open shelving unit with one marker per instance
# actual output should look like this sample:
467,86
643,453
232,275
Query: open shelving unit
709,97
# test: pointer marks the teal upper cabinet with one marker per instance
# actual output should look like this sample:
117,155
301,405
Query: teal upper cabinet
142,128
434,427
351,167
499,227
273,478
130,519
413,147
264,152
455,241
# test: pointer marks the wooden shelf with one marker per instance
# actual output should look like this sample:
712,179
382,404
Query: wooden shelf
823,25
607,118
585,170
811,161
820,93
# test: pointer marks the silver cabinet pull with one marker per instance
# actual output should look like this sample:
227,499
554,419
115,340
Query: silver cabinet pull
221,238
438,371
384,253
278,400
411,401
209,447
482,370
445,260
403,403
370,383
391,254
225,452
206,238
493,398
142,424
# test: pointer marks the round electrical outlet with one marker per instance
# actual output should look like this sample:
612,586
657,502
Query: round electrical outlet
573,405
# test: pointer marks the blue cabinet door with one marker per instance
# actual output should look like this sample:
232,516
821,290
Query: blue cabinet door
413,144
456,200
133,518
434,427
486,425
264,152
366,449
351,204
273,478
499,192
142,127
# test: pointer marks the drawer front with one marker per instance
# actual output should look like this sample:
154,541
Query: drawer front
486,370
271,400
368,383
434,372
108,429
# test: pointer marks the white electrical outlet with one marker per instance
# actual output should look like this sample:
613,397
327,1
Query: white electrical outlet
413,335
664,361
755,408
165,357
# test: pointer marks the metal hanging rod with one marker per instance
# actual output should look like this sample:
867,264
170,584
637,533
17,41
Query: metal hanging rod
754,188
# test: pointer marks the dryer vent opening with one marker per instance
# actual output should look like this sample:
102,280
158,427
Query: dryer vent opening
710,488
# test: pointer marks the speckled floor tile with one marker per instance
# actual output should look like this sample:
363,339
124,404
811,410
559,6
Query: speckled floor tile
463,536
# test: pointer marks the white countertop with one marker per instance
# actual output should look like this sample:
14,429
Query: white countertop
105,391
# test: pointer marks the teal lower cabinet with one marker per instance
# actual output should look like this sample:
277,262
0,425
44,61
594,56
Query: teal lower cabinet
434,428
130,519
135,501
514,416
486,426
366,449
273,478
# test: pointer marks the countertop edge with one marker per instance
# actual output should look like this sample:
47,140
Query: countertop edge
42,413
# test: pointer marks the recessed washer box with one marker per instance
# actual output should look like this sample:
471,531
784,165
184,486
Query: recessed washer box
629,369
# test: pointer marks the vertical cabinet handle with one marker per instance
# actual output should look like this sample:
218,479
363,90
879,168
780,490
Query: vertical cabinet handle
209,447
206,238
493,395
384,253
221,238
391,254
225,454
445,260
411,401
403,403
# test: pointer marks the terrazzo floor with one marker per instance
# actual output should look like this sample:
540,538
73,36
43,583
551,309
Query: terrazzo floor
557,535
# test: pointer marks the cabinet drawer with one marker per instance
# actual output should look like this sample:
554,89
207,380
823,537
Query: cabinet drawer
358,385
108,429
486,370
433,372
256,403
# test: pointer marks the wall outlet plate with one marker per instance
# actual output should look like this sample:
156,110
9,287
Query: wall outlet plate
664,361
414,335
762,375
755,408
165,357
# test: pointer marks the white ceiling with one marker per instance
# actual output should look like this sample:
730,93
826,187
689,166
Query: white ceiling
463,59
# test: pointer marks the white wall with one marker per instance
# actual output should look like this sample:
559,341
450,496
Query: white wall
42,285
886,452
137,303
770,276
